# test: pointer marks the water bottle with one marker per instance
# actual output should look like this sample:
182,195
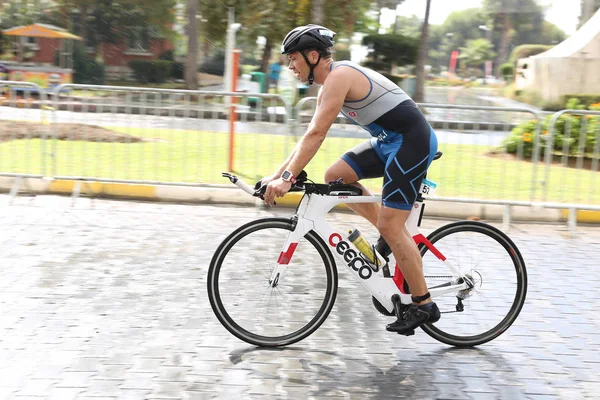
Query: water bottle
365,248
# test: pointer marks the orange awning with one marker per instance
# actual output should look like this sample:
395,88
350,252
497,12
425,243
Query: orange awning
39,30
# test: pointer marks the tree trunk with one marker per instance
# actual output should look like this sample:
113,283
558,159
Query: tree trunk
317,12
191,60
587,10
504,43
264,63
419,95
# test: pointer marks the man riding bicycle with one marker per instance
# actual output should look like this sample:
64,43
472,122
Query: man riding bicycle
401,150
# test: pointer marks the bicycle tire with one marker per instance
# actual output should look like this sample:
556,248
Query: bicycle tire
521,279
225,318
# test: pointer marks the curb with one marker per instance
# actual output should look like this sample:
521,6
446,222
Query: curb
232,195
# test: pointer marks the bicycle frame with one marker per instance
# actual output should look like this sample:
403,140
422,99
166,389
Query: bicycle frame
310,215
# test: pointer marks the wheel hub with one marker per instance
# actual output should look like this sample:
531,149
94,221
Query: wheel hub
476,279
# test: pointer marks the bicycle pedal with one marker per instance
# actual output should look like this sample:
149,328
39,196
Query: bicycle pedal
407,333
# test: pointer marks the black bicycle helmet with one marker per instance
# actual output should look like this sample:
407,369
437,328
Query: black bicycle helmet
308,37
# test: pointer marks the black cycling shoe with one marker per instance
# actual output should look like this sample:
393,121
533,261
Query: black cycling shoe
415,316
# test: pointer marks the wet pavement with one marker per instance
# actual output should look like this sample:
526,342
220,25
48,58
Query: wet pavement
106,299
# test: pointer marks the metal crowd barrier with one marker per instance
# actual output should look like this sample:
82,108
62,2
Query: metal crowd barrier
174,137
161,136
23,115
475,165
572,155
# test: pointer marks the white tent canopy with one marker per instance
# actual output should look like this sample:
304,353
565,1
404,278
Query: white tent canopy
571,67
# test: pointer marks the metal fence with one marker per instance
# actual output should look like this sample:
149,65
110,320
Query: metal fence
142,135
572,155
496,155
160,136
24,130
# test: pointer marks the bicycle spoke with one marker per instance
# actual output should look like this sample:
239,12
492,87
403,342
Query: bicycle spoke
497,295
266,310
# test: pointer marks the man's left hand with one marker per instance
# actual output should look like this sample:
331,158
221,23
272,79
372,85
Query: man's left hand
276,188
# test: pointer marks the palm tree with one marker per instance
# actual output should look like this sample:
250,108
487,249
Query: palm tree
419,95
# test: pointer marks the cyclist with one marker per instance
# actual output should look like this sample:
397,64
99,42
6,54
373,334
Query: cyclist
401,150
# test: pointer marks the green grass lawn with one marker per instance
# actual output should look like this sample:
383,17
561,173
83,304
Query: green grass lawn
200,157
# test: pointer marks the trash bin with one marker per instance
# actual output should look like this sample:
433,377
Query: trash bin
261,78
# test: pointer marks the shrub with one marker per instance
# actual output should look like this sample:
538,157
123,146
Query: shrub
553,106
167,55
177,70
141,70
96,73
154,71
586,100
162,70
214,65
569,131
86,71
527,50
507,70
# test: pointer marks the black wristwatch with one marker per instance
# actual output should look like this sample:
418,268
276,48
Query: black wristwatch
288,177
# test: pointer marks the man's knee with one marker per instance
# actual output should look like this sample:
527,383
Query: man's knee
334,173
340,170
387,229
330,174
391,222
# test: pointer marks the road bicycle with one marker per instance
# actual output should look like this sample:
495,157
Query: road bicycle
273,281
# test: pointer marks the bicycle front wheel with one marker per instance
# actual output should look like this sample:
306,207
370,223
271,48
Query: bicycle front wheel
246,303
493,263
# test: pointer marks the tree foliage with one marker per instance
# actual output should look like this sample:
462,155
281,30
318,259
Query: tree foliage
476,52
107,20
461,26
273,19
505,16
25,12
588,9
387,50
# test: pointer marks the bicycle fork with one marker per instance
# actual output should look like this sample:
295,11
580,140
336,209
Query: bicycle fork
287,252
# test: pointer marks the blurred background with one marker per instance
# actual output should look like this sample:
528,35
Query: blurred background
175,92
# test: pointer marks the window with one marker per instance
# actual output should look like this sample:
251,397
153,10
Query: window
138,40
32,43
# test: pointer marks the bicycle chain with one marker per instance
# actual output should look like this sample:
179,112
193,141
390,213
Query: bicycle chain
442,277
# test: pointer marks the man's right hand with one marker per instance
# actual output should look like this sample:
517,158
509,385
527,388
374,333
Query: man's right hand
265,181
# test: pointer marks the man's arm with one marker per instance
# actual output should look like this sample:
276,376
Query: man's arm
330,101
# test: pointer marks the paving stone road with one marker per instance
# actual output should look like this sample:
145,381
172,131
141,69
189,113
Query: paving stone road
105,299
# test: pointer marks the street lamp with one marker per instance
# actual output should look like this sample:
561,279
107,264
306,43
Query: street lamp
487,30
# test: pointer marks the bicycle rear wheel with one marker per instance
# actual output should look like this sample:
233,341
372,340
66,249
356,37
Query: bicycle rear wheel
492,261
249,307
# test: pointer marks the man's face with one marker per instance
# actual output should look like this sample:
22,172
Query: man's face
298,66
